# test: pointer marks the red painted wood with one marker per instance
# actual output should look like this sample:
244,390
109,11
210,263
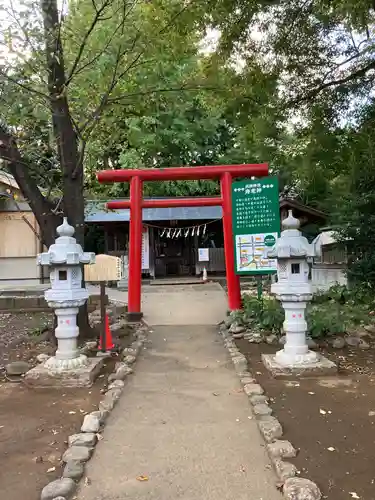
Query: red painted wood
223,172
233,280
135,246
169,202
184,173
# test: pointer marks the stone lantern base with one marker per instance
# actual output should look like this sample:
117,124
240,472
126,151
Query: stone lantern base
310,365
53,374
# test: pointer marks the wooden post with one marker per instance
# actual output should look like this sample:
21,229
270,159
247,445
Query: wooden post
135,250
102,314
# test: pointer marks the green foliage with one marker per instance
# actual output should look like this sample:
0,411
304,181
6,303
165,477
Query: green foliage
336,311
325,320
290,83
266,314
356,214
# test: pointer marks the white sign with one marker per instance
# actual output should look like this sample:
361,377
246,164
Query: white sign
106,268
145,249
203,255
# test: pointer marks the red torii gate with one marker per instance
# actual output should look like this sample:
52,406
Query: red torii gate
136,178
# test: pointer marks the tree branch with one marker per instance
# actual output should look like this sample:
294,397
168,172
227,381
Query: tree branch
339,65
162,90
95,58
23,86
86,37
27,184
334,83
105,99
15,16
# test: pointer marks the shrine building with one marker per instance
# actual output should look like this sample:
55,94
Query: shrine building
173,236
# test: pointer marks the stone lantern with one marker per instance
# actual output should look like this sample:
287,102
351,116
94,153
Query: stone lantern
65,258
294,291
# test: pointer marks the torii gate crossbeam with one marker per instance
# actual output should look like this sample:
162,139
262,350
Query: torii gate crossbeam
225,173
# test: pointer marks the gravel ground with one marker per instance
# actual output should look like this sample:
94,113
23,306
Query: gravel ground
18,328
35,423
329,420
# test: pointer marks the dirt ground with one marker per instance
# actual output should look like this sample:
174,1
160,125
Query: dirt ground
331,421
35,423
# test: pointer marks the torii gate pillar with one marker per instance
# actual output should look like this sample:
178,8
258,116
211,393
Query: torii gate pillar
225,173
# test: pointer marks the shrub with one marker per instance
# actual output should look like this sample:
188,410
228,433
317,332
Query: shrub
338,310
266,314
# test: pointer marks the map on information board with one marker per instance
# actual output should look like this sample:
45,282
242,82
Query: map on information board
256,224
251,252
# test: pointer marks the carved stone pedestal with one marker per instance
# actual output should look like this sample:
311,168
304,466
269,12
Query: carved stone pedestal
311,365
53,374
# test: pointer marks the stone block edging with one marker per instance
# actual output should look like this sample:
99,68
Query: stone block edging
293,488
81,445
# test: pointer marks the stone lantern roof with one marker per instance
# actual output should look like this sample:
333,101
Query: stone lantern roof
291,242
65,250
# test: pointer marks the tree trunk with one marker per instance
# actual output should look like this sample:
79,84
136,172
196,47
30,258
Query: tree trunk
64,131
19,168
71,161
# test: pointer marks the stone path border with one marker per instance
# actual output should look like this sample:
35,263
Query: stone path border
81,446
293,488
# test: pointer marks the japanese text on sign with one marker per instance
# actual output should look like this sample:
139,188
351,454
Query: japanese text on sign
256,224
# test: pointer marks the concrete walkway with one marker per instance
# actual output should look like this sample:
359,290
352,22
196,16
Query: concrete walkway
187,304
201,304
184,422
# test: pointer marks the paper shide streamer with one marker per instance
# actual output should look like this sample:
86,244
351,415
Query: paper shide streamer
174,233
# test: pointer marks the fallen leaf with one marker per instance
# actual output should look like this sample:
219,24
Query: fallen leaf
353,494
52,458
322,412
331,448
142,478
52,469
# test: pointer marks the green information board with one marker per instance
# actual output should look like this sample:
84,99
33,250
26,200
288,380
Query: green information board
256,224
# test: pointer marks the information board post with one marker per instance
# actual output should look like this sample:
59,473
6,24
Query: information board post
106,268
256,225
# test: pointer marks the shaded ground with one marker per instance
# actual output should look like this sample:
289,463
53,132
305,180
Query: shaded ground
18,328
330,420
35,424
